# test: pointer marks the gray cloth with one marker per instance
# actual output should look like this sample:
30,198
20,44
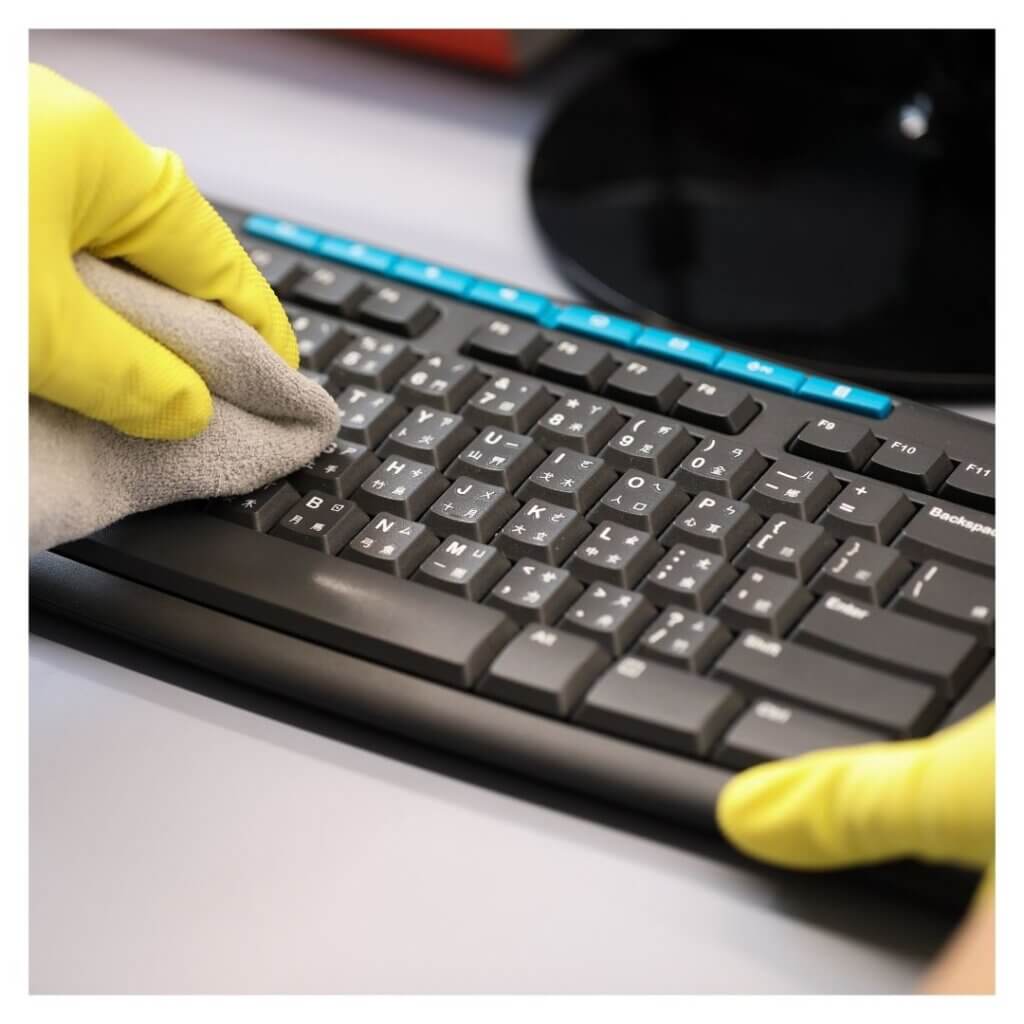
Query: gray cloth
267,420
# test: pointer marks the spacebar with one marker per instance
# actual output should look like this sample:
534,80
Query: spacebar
329,601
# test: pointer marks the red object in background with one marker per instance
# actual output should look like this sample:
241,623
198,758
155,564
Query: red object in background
507,51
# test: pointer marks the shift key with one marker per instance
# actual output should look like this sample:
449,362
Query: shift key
895,643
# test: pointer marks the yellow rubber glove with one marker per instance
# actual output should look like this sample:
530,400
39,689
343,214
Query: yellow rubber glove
95,185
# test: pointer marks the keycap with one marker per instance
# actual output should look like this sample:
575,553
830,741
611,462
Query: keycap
321,380
598,325
844,396
616,554
981,692
463,567
715,523
718,405
279,268
391,544
645,383
357,254
640,500
443,382
963,539
432,276
320,338
401,487
865,509
367,415
689,577
498,457
910,464
579,364
684,638
282,231
372,361
719,465
509,401
568,478
544,669
864,570
579,422
787,546
506,343
892,642
612,616
258,510
642,700
471,508
771,731
397,310
678,348
758,665
843,443
331,289
764,600
534,592
973,484
509,300
951,597
542,530
759,372
321,521
651,443
338,470
794,487
429,436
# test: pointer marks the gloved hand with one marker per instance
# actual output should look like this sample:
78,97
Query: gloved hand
95,185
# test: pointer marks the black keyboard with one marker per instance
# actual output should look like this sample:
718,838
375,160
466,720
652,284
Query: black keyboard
616,558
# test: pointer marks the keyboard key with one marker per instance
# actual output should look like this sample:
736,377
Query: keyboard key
576,363
764,600
948,534
844,396
545,670
258,510
685,639
463,567
498,457
864,570
721,406
338,470
892,642
646,384
769,731
372,361
912,465
645,701
401,487
787,546
678,348
444,382
761,666
579,422
795,487
391,544
367,415
651,443
594,324
567,478
542,530
279,269
759,372
357,254
320,338
640,500
399,311
508,401
721,466
873,511
616,554
689,577
472,509
951,597
507,343
610,615
510,300
432,276
713,523
321,380
973,484
337,291
841,443
981,692
322,522
534,592
429,436
282,231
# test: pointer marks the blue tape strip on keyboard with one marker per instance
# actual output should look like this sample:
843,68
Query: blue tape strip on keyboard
576,319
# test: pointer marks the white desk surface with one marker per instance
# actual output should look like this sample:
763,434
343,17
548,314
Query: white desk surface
187,836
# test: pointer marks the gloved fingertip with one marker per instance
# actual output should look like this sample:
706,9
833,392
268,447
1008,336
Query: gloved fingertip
184,415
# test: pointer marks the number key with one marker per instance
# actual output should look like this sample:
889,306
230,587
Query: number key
578,422
650,443
372,361
444,382
719,465
508,401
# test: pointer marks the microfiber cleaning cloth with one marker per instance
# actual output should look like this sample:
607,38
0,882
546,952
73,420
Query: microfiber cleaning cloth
267,420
